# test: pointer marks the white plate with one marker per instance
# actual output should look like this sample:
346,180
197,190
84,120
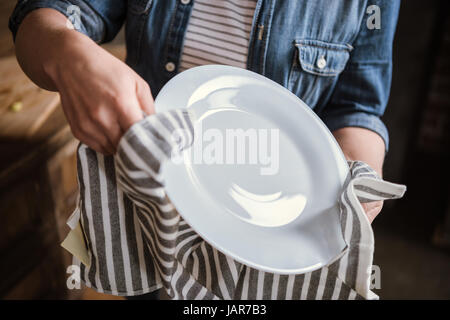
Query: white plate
280,218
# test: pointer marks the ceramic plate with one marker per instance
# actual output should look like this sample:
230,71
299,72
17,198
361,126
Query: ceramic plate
262,180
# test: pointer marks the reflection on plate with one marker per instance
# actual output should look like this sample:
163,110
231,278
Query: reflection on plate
269,210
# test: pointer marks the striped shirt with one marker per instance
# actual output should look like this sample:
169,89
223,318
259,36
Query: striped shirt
218,32
137,242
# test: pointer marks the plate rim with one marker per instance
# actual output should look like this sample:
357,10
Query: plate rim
336,150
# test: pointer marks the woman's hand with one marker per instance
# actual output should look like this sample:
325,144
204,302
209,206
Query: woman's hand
101,96
372,209
367,146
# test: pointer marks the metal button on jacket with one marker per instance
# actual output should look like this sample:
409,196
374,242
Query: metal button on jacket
170,66
321,62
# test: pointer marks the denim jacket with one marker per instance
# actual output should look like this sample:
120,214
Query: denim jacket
331,53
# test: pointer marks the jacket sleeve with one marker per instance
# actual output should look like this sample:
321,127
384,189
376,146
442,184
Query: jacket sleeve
362,91
99,20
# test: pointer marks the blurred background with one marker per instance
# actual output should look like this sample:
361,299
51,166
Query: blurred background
38,170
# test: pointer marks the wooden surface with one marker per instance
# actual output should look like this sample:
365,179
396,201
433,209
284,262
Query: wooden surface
37,104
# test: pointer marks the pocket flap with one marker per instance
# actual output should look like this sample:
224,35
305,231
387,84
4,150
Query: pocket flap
322,58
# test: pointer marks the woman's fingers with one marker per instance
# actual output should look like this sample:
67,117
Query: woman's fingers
145,97
372,209
96,143
107,122
85,128
96,139
129,113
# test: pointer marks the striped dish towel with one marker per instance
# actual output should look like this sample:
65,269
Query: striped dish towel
136,242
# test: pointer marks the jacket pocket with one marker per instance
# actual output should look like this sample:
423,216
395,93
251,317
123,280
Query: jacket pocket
315,69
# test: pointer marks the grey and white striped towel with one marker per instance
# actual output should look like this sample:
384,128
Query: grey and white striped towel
137,242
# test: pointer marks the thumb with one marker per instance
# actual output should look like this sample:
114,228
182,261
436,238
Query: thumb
131,113
145,97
